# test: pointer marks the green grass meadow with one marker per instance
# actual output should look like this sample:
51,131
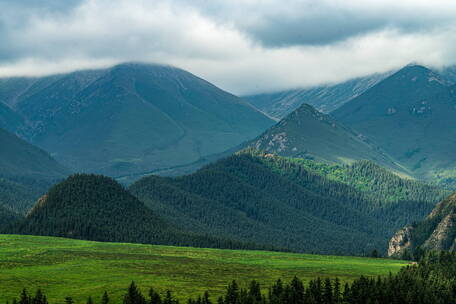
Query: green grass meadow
64,267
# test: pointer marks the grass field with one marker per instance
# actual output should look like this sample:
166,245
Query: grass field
65,267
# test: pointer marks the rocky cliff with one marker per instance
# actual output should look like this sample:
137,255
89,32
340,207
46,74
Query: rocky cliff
436,232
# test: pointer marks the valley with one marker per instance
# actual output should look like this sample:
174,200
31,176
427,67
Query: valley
227,152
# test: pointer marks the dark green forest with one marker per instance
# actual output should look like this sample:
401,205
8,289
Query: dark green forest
248,200
301,205
431,281
95,207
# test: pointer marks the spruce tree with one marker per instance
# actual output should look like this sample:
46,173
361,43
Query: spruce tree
105,298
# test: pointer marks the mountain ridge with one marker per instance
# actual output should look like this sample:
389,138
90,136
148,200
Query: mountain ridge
133,118
405,114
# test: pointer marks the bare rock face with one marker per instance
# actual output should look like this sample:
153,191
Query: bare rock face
442,237
40,202
400,241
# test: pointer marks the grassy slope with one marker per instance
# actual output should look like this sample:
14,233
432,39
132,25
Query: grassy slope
64,267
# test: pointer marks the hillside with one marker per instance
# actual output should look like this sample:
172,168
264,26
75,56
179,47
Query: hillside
131,118
307,133
95,207
325,98
7,217
31,261
410,115
436,232
257,197
26,172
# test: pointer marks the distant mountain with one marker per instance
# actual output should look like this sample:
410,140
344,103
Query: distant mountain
26,172
436,232
95,207
325,98
293,203
9,120
131,118
307,133
411,116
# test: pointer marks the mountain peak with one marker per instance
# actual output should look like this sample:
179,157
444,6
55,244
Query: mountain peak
417,74
308,133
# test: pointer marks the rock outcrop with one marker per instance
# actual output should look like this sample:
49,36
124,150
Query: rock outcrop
400,241
436,232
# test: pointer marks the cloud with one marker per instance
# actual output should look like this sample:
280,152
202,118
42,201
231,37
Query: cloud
243,46
296,22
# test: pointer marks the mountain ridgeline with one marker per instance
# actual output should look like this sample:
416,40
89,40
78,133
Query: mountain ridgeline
26,172
288,203
436,232
411,116
307,133
95,207
324,98
129,119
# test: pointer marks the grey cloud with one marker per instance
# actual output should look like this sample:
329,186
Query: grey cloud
323,22
240,45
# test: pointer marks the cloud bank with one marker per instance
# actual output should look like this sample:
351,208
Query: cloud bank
244,46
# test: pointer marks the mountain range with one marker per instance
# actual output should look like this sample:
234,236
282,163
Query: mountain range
128,119
308,133
338,183
410,115
324,98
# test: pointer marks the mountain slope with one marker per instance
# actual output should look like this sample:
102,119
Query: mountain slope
26,172
134,118
255,197
94,207
436,232
307,133
324,98
410,115
19,158
7,217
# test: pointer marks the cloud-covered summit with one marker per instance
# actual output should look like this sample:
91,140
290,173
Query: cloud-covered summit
244,46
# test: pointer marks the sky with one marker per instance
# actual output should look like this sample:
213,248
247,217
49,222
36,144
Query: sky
243,46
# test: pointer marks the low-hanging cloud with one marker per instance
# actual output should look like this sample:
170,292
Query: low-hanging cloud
243,46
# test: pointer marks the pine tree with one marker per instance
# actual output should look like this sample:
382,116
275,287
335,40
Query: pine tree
69,300
255,291
232,294
154,297
328,291
105,298
206,299
134,295
24,298
336,294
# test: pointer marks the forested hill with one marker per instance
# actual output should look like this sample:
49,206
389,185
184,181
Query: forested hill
7,217
94,207
301,205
